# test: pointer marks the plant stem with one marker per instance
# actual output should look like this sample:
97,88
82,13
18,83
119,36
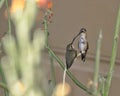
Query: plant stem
4,81
2,85
113,56
51,57
9,32
46,30
96,67
9,22
79,84
1,3
52,70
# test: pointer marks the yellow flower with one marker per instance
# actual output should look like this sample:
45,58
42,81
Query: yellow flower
58,91
18,88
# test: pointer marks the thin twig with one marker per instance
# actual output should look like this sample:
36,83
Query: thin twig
113,56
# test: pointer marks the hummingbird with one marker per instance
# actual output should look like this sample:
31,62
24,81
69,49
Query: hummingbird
83,43
83,46
70,55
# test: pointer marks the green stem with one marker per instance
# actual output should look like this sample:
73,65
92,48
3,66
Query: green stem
79,84
2,74
4,81
9,22
96,67
113,56
46,30
1,3
9,32
2,85
46,42
52,70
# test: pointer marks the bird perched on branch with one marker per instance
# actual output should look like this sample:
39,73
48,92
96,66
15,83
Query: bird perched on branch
83,44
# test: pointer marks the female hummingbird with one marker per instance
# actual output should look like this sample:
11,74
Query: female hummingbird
70,55
83,44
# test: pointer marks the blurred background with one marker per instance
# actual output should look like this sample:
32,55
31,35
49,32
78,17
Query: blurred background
69,17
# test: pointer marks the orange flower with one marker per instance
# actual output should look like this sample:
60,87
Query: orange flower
44,3
49,5
17,5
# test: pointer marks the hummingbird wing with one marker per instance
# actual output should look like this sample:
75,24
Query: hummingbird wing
70,56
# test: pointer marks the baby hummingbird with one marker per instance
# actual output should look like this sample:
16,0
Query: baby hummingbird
70,55
83,44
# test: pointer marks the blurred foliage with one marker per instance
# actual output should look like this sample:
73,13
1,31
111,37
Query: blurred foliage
21,65
1,3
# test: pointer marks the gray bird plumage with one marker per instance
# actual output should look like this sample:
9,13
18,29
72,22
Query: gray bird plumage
83,44
70,55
